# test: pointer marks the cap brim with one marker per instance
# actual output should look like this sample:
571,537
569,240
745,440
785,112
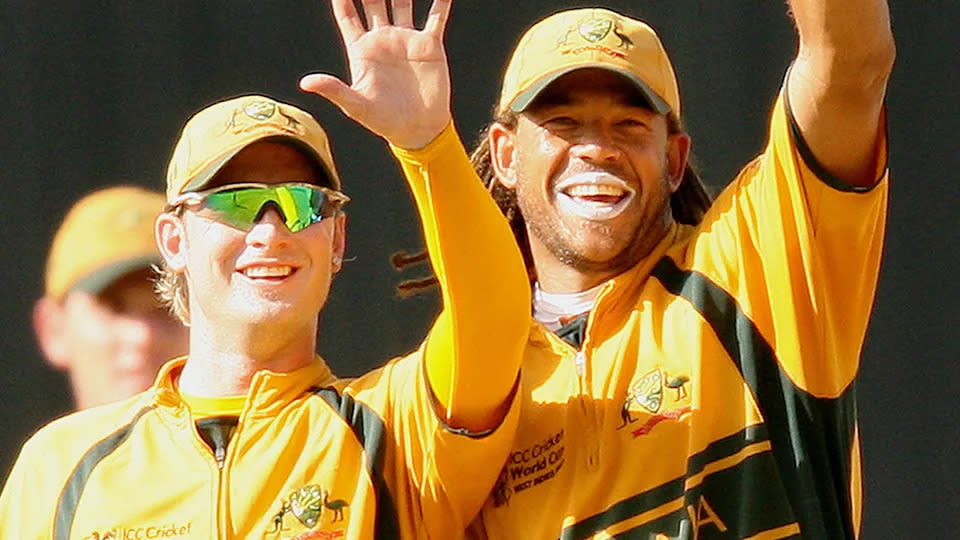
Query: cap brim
98,281
204,176
525,98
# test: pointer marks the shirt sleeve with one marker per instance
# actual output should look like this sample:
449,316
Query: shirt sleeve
448,408
28,497
474,349
437,478
800,251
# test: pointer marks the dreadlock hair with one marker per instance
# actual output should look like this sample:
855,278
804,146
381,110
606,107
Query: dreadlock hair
688,204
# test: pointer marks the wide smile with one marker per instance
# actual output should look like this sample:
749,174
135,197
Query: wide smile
267,273
597,196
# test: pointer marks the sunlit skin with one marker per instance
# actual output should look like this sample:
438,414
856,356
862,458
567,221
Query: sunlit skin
590,120
111,345
242,319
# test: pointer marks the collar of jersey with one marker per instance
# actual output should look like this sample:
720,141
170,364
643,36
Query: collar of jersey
618,296
269,391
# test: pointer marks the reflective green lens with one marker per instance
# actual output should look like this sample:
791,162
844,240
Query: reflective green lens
300,205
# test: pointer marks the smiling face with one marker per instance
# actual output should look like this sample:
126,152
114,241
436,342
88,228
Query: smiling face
593,168
264,276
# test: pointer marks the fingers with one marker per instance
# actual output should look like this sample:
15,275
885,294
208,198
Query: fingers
352,27
376,12
348,20
403,13
335,91
437,18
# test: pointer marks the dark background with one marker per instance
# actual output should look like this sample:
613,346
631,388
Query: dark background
95,92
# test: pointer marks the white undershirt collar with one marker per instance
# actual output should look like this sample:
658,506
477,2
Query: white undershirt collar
553,310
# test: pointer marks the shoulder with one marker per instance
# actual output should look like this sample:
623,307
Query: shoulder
397,371
67,439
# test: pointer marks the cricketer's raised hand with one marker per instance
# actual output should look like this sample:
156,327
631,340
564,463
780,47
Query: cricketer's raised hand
400,79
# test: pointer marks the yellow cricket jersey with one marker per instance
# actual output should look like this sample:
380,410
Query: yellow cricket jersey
312,456
713,395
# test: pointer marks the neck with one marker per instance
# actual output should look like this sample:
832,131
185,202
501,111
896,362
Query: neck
556,275
561,278
223,363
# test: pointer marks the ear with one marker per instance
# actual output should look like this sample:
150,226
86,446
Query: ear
169,231
503,156
339,246
678,152
49,326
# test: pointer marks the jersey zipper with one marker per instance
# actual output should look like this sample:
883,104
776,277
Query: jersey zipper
580,360
588,418
219,458
223,463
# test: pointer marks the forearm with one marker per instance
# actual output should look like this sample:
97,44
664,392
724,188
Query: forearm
845,33
473,351
837,83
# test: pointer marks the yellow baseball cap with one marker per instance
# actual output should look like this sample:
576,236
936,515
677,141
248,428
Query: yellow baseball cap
589,38
104,236
217,133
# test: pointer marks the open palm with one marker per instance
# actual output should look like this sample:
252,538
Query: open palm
400,79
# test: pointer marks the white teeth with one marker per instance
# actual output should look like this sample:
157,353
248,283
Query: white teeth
267,271
593,190
573,195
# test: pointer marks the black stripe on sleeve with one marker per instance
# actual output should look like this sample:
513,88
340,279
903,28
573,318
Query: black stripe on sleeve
369,431
815,166
811,437
73,489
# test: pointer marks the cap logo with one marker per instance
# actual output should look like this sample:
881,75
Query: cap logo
259,110
262,113
594,30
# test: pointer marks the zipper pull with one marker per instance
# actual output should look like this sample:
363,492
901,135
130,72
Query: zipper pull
581,362
220,454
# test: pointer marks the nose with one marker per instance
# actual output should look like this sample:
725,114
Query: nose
270,229
596,144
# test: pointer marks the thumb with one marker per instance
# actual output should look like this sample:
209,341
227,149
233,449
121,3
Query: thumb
337,92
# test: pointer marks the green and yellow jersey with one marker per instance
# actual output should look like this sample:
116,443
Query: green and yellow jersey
409,450
713,394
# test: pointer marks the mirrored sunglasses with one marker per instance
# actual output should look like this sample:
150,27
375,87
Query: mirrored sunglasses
241,205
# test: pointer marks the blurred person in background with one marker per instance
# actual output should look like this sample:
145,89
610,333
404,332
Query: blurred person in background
100,320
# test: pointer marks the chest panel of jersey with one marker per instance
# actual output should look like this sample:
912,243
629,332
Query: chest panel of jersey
302,472
658,397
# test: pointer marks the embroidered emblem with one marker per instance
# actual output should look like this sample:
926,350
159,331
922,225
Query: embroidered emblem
594,30
336,505
679,384
652,423
648,392
306,504
259,110
257,113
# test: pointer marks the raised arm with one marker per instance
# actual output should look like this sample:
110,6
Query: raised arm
401,91
837,84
